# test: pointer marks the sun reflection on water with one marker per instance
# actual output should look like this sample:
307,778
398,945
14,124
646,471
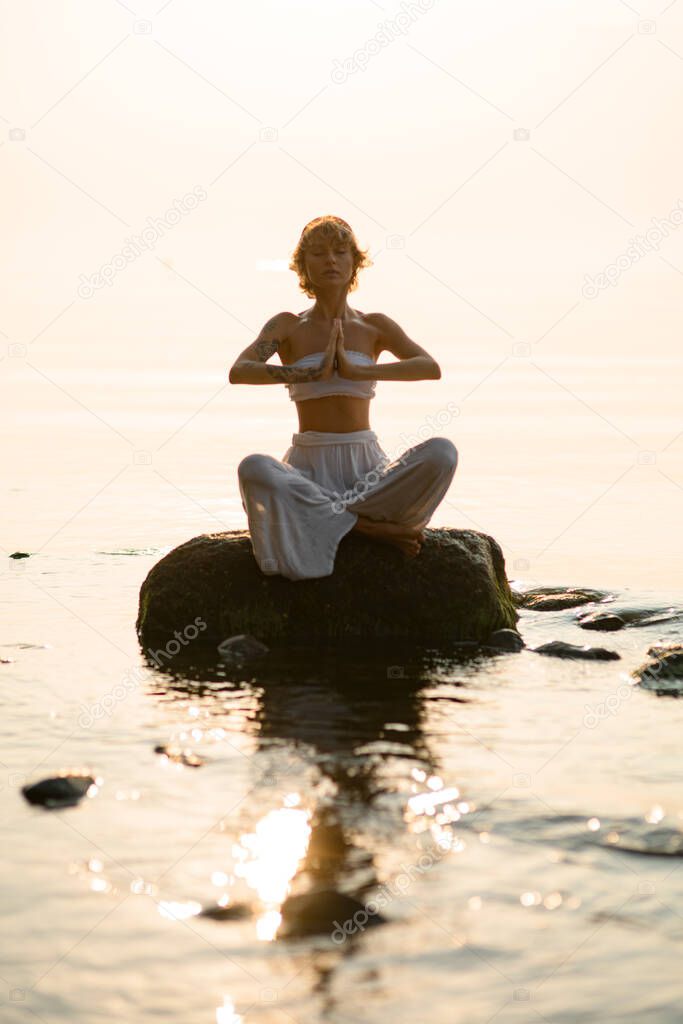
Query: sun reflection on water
435,810
267,859
225,1014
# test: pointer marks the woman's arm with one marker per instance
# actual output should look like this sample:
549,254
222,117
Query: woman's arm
251,366
415,363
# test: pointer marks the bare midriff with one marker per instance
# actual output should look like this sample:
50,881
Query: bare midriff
334,413
337,414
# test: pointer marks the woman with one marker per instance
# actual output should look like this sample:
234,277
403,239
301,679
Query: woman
335,478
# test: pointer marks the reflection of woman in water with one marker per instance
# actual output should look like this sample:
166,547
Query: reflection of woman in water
335,478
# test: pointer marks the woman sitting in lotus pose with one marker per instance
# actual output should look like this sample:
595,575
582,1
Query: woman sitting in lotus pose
335,477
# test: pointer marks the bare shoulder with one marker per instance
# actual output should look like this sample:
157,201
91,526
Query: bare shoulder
278,324
281,327
381,321
393,338
372,324
273,337
276,332
390,334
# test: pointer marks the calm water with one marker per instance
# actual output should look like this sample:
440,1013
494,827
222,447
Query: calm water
523,813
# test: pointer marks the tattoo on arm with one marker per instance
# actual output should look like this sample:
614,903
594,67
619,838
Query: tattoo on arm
293,374
266,347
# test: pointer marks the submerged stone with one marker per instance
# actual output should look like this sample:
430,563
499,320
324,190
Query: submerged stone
560,649
211,588
653,618
605,622
326,912
242,648
617,618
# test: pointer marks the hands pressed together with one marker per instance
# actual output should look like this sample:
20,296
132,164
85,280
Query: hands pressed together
336,357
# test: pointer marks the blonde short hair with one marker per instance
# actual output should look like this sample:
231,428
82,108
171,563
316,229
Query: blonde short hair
329,227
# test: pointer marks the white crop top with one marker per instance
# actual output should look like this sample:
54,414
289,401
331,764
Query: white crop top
334,385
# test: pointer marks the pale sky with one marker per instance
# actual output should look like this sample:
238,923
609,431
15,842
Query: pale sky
494,157
126,112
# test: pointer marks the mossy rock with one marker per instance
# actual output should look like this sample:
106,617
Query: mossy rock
455,589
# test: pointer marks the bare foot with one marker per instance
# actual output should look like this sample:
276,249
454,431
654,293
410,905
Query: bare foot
408,539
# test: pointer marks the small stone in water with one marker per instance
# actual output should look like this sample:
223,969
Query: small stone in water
606,622
242,647
560,649
664,673
553,599
60,791
506,640
233,912
670,659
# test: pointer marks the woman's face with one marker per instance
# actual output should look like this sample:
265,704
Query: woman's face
329,261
